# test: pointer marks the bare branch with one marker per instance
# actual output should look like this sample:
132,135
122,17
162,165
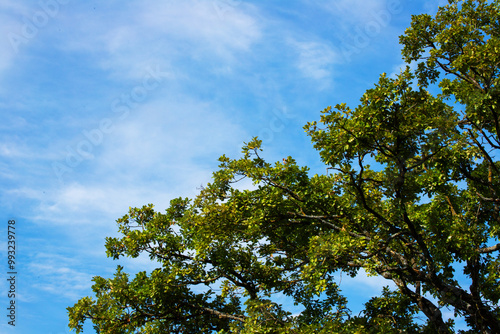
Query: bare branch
489,249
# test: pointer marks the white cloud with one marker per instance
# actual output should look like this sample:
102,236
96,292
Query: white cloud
159,152
10,27
359,23
362,284
167,126
9,150
160,32
315,59
200,22
21,24
56,274
180,138
79,209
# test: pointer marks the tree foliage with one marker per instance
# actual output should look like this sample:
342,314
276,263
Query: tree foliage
411,194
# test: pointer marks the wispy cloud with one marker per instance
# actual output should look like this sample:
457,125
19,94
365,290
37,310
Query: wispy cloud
10,26
315,60
354,11
56,278
363,284
163,32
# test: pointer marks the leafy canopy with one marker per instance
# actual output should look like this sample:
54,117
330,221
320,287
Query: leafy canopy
411,194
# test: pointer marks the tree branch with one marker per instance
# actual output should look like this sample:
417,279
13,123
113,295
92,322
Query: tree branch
487,250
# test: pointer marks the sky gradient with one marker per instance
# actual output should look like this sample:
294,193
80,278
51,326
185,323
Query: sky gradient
114,104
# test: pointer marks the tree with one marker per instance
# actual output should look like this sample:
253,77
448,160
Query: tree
412,193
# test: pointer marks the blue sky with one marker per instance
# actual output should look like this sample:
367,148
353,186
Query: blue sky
107,105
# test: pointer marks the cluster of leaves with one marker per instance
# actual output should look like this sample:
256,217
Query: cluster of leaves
430,202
